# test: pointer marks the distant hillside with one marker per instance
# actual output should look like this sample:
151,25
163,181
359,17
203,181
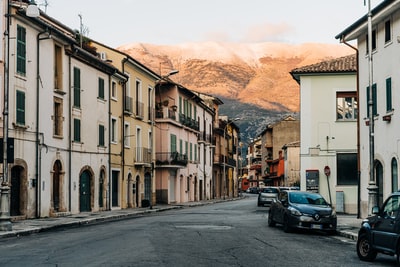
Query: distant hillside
252,79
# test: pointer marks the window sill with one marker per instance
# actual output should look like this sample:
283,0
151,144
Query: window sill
20,126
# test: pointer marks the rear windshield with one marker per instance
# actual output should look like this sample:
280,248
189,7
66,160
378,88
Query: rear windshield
270,190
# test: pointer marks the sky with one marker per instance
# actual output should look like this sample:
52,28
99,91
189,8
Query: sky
170,22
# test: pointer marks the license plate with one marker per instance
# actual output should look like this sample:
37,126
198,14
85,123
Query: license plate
316,226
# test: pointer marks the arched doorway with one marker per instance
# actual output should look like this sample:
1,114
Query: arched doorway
84,192
379,181
101,189
147,187
15,191
137,196
130,191
56,185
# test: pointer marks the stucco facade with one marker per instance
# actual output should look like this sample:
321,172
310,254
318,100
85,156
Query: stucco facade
327,133
385,24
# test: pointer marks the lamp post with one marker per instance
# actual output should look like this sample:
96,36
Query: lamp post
5,222
225,153
372,188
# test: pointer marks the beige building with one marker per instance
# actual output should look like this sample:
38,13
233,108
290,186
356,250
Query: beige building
132,182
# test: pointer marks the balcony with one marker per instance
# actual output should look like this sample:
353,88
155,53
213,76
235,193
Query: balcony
142,156
139,110
128,105
165,159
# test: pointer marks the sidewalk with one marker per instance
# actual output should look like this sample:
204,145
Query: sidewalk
348,225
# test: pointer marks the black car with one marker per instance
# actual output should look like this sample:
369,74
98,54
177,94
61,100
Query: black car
302,210
380,233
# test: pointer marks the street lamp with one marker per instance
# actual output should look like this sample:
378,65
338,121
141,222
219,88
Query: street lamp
372,188
225,153
5,222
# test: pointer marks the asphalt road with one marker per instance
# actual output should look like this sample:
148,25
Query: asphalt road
225,234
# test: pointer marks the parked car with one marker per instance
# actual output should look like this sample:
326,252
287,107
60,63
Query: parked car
302,210
267,195
253,190
380,233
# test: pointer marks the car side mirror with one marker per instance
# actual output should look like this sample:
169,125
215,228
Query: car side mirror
375,210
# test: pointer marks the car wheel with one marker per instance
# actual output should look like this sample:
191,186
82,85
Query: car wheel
271,221
286,226
364,249
398,255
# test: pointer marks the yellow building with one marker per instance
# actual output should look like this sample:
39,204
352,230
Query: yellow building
132,182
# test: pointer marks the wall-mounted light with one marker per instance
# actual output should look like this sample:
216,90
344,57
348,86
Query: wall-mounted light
32,10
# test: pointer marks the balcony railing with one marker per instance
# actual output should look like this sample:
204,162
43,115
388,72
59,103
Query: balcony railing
128,104
171,158
142,155
139,110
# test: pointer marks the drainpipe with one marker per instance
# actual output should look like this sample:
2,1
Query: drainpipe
69,133
358,131
37,142
123,131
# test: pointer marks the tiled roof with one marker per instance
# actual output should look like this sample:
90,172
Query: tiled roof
342,64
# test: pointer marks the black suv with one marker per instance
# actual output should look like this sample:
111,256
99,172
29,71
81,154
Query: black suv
380,233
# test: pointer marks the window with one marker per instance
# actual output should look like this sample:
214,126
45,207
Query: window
195,152
173,143
113,130
113,89
101,135
77,130
20,105
389,95
21,50
127,134
395,181
373,41
191,152
374,107
77,87
346,106
388,32
101,88
57,67
346,168
58,117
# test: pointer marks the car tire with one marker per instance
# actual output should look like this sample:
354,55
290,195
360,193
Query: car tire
271,222
364,248
286,226
398,255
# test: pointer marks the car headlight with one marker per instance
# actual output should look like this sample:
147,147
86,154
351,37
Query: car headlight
294,211
333,213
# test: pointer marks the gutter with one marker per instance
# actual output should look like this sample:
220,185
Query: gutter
342,39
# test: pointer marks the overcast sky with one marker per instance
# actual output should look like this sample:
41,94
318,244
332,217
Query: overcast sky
119,22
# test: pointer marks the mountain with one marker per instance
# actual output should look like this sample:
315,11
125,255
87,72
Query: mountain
252,80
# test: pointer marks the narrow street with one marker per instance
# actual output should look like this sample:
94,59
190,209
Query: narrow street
232,233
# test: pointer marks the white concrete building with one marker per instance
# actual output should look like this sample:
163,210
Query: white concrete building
385,52
58,119
328,130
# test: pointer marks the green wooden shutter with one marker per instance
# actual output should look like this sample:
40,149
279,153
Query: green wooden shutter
101,135
388,94
77,87
20,105
101,88
173,143
77,130
21,50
